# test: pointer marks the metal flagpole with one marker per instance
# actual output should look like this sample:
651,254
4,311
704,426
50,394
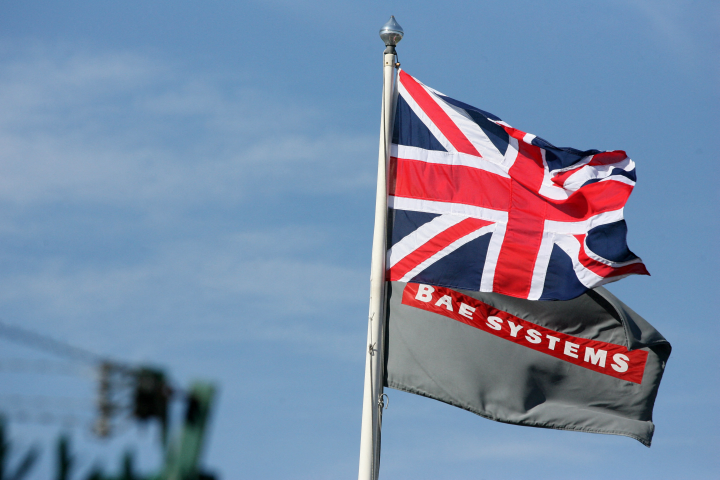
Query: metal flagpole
391,33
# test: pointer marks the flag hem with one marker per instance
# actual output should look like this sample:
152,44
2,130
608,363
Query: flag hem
416,391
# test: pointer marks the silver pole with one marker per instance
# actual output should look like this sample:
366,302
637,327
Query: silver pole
391,33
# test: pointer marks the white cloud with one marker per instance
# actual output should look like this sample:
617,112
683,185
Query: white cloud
680,25
263,285
101,133
130,130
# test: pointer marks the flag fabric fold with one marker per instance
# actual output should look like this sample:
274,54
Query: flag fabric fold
588,364
479,205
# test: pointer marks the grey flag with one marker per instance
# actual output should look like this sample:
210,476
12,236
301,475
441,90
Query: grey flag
589,364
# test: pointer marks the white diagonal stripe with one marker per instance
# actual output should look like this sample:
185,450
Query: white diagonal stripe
420,237
579,228
594,256
424,118
447,251
510,154
471,130
491,258
592,172
548,188
571,246
587,277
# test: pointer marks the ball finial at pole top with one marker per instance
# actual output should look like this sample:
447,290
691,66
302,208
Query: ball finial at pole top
391,33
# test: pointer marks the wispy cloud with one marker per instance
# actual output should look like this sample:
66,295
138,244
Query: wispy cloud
229,290
680,25
125,128
130,170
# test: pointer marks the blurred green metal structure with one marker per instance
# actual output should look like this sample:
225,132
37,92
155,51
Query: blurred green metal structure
183,453
24,465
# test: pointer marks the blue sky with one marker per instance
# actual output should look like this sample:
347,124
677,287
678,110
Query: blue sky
191,184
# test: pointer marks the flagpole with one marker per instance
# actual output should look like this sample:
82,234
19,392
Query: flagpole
391,33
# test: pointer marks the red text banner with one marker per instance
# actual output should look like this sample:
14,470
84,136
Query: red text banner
606,358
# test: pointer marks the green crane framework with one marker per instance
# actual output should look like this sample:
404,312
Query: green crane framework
150,393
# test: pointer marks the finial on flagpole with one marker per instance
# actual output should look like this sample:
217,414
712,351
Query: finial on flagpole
391,33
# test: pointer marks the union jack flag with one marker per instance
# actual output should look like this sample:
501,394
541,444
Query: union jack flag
479,205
